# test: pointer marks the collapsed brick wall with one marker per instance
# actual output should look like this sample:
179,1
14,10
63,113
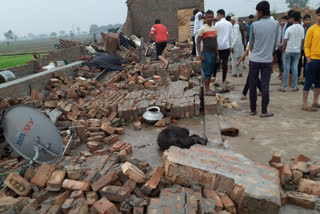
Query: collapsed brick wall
142,13
71,55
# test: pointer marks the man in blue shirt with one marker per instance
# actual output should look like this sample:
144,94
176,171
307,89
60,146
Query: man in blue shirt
248,28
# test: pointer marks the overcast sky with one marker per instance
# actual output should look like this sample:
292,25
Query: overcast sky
43,16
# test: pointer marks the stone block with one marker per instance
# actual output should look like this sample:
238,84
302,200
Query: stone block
260,183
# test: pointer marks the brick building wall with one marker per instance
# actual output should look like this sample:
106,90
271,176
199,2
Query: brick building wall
142,13
71,55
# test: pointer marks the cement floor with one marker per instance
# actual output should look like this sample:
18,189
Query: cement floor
291,131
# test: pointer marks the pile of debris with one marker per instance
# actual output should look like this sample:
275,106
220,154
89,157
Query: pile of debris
300,181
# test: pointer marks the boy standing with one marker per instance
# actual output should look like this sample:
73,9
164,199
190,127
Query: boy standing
312,76
209,55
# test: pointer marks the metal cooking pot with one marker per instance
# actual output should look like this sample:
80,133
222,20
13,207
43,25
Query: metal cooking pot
153,114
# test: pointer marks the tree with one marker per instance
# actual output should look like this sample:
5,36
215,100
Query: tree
93,29
53,34
71,34
9,36
299,3
62,33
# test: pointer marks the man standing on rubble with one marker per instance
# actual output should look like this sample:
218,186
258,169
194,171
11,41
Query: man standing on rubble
161,35
264,40
209,55
224,37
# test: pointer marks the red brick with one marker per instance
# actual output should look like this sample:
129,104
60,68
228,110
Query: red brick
60,199
129,185
237,195
55,181
55,209
108,129
119,131
160,123
123,156
228,204
79,206
112,116
42,175
101,152
50,104
42,195
286,174
302,158
104,181
276,158
153,182
114,193
18,184
92,198
297,175
314,170
31,171
98,138
309,187
94,146
301,166
283,197
77,194
210,194
104,206
302,200
133,172
66,206
111,139
75,185
73,171
116,147
138,210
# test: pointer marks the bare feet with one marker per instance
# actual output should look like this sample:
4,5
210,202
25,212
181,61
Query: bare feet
308,108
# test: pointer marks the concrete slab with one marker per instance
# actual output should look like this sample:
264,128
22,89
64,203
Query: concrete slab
222,170
144,141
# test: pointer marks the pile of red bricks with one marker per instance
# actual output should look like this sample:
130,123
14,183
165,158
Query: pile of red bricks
104,181
300,181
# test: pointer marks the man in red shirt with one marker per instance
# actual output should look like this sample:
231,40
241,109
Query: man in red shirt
161,35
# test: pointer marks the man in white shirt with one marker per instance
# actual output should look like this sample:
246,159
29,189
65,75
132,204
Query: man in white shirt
197,25
224,37
237,46
293,42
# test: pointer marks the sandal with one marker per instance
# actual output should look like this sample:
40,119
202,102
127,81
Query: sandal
315,105
281,90
253,113
308,108
210,93
295,89
267,115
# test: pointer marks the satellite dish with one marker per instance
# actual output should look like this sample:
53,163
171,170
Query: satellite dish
31,134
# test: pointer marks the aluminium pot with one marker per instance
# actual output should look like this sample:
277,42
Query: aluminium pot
152,115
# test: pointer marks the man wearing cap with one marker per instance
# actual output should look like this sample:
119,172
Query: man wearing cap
237,47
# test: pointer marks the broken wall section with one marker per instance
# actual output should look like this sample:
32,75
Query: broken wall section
142,13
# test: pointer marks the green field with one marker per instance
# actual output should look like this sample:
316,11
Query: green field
8,61
14,60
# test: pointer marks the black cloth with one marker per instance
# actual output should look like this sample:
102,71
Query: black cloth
110,62
160,48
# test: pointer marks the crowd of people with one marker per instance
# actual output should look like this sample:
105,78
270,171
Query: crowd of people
294,45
